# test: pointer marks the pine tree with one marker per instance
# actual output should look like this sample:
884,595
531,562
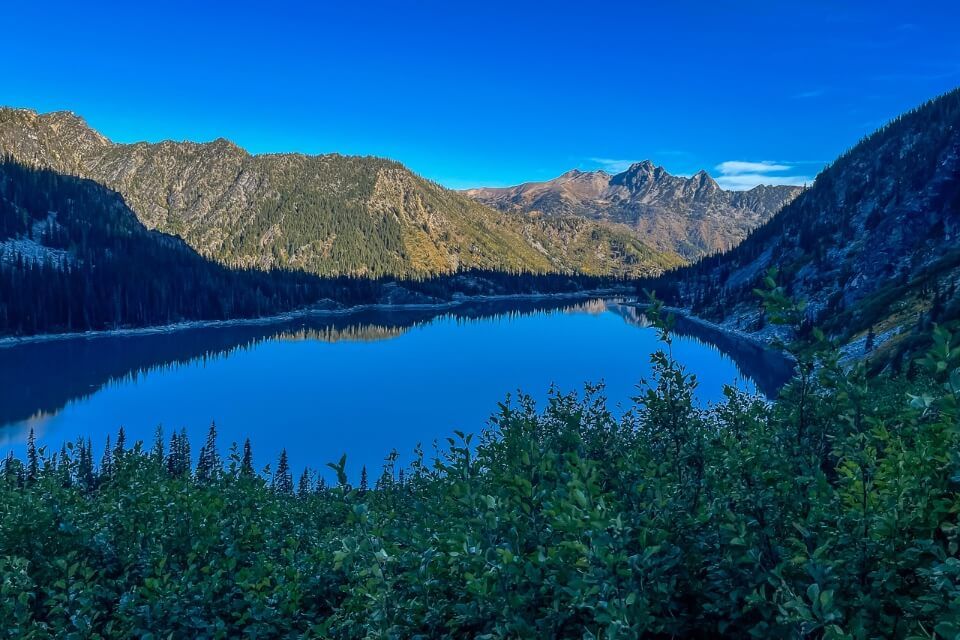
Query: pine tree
209,458
246,465
106,462
121,444
363,479
10,468
156,453
178,457
33,461
303,488
172,465
85,470
282,479
64,470
184,455
203,470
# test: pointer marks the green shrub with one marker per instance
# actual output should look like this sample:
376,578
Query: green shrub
830,513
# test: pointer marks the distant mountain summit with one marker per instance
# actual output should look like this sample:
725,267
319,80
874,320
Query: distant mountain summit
689,216
326,214
872,247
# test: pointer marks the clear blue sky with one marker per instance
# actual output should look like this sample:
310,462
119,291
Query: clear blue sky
489,93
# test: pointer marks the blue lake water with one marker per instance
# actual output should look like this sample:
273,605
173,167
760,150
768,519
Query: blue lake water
363,384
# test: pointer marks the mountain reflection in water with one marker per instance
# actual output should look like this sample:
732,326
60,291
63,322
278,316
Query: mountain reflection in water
456,365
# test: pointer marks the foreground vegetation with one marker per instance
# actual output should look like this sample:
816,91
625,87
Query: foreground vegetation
832,513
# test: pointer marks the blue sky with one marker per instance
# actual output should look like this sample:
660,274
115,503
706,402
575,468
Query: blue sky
491,93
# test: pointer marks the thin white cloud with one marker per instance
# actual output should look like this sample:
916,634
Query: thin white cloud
740,175
611,165
746,181
806,95
738,167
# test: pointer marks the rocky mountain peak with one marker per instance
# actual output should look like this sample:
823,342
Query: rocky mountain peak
871,243
578,174
64,117
645,166
690,216
704,181
329,214
55,139
638,174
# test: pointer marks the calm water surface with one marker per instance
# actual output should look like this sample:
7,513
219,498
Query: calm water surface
363,384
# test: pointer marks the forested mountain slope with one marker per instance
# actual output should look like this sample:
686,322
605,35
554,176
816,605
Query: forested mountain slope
688,216
74,257
873,244
327,214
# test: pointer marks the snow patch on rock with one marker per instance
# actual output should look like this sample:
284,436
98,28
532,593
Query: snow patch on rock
32,252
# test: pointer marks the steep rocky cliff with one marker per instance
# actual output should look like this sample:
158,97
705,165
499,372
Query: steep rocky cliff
873,246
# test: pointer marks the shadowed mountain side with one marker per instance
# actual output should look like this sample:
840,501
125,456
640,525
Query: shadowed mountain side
74,257
871,246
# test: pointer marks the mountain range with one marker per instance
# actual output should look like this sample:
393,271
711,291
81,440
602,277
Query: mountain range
872,247
327,214
74,257
690,217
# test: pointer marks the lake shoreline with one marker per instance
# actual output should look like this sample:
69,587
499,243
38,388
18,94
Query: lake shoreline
739,334
725,337
767,341
14,341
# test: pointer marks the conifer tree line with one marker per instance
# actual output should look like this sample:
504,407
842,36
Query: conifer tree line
73,257
73,463
895,178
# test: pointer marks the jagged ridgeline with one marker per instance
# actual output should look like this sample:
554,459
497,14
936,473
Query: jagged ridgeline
873,244
691,216
327,214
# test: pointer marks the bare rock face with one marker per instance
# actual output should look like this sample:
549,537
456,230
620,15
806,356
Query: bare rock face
59,139
688,216
872,242
327,214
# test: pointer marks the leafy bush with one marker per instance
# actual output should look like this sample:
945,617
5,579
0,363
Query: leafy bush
830,513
